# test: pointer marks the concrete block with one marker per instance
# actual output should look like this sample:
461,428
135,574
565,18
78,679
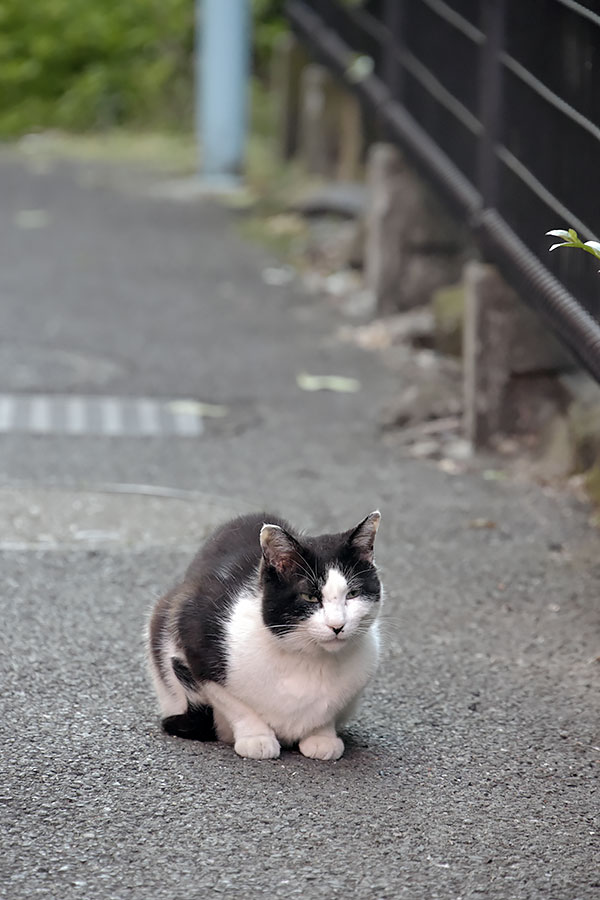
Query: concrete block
556,460
584,418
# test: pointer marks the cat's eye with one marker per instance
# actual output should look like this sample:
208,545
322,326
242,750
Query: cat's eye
308,598
353,592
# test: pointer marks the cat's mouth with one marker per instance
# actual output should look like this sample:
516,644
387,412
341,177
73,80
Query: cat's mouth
334,643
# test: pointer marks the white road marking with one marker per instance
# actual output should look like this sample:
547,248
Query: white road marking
187,425
7,412
104,416
112,418
148,417
39,415
76,415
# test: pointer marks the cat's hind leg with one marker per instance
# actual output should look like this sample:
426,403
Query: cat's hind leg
171,695
181,714
170,690
187,710
184,713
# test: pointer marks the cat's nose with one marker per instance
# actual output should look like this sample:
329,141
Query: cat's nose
337,630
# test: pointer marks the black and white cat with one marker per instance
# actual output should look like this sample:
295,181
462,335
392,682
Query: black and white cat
271,637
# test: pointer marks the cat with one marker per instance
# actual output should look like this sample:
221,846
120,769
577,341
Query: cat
270,639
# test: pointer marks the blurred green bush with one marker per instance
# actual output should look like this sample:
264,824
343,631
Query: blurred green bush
88,64
268,24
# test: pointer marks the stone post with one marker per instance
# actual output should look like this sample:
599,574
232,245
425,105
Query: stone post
391,205
350,138
486,344
317,121
287,63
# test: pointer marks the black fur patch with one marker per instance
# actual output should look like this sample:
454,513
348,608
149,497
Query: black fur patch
197,724
183,674
226,564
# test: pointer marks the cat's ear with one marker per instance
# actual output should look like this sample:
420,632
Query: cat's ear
279,549
362,538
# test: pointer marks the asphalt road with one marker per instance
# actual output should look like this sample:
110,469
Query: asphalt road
472,769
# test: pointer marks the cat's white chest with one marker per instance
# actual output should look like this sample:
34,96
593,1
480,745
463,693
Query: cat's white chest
294,693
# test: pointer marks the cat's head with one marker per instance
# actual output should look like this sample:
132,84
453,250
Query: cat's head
320,592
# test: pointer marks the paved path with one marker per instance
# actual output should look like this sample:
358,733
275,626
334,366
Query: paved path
473,768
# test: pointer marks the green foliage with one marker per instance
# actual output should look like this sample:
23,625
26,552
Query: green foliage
268,24
79,64
570,238
85,64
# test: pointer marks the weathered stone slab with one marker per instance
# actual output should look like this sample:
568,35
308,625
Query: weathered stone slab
509,357
411,248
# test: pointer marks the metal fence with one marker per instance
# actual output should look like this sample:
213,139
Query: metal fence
497,101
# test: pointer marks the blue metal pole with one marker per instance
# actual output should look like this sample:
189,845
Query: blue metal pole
222,86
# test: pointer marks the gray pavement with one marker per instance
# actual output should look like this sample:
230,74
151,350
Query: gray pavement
472,769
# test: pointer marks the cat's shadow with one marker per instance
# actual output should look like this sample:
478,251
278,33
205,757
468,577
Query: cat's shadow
354,741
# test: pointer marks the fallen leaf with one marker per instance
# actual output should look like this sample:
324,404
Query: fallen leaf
241,198
196,408
450,467
285,223
459,449
277,276
494,475
338,383
424,449
32,218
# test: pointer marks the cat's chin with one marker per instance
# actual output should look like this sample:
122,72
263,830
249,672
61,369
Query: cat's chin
334,645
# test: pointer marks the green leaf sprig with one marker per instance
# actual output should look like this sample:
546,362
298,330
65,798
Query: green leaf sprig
570,238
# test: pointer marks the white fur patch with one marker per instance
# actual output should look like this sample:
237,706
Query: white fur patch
340,618
295,691
170,692
335,588
333,596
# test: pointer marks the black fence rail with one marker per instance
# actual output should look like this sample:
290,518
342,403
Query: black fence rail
497,101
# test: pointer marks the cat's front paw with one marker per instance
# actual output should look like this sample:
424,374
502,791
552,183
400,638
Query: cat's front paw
260,746
322,746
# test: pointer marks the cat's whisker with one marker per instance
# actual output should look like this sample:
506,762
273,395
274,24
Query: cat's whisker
308,570
354,576
289,627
